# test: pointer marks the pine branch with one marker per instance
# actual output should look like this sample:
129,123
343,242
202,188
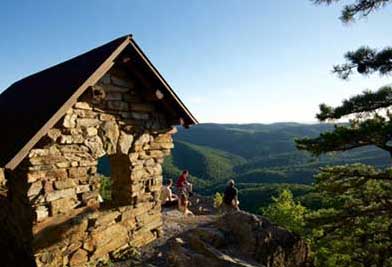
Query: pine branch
376,131
364,103
360,8
365,61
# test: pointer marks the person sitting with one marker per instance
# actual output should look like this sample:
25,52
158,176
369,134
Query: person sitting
183,205
183,185
230,197
168,199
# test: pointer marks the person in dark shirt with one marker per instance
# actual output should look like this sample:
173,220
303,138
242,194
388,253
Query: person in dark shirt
230,197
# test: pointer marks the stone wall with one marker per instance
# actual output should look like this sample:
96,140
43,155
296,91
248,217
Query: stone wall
3,187
70,227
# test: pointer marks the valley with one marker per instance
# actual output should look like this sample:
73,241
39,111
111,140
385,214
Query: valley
262,158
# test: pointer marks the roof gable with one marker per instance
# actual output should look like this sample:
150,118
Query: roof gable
31,106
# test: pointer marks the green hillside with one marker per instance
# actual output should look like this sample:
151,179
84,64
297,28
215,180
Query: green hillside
262,158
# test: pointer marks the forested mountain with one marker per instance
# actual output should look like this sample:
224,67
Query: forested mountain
262,158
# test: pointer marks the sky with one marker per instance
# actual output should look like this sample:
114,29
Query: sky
230,61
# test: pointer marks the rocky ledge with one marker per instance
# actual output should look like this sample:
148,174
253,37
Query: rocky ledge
237,239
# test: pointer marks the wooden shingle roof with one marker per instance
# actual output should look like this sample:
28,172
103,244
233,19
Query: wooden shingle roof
31,106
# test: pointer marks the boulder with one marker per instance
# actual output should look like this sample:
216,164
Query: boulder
238,239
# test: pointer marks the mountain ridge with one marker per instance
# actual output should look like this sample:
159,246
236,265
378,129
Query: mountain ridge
256,156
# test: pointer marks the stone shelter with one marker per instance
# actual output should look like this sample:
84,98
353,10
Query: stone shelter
56,125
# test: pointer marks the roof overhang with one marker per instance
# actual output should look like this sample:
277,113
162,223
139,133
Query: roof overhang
12,160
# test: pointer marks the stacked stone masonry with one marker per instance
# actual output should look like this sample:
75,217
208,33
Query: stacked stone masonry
3,187
71,227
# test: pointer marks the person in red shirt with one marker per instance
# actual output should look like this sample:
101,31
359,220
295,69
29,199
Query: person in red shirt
182,180
183,185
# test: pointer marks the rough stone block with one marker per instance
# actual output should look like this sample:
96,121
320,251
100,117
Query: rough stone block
72,149
107,218
110,134
83,105
78,172
82,113
133,157
41,213
2,177
33,176
64,164
54,134
48,187
90,196
70,120
106,117
61,194
38,153
143,139
69,183
96,146
35,189
66,139
88,122
46,160
149,162
104,241
86,163
125,142
156,153
91,131
82,188
63,205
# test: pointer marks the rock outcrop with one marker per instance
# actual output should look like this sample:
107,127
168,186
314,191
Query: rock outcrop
236,239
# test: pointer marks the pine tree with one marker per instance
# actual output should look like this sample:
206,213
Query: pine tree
355,228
